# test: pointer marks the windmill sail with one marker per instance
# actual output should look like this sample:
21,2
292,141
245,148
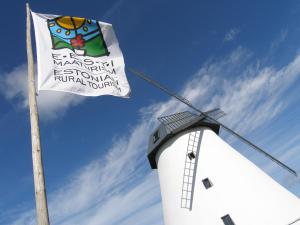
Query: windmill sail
216,113
212,119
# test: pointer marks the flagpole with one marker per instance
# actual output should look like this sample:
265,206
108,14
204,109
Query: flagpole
38,171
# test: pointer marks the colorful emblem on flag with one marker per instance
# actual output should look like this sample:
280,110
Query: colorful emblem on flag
78,55
83,36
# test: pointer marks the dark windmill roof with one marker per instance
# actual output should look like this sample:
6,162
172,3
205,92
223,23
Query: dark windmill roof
172,125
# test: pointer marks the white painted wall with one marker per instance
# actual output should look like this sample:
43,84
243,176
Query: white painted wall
240,188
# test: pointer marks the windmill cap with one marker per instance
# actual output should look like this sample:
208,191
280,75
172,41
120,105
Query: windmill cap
171,126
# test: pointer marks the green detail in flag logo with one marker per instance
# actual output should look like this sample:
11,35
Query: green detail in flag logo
83,36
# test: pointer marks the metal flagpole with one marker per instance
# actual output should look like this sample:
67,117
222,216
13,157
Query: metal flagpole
38,172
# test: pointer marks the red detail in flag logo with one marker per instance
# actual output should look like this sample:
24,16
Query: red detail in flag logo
78,42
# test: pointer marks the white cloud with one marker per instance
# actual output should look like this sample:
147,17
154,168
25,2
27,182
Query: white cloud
252,96
279,40
119,188
125,209
51,104
113,9
231,34
114,189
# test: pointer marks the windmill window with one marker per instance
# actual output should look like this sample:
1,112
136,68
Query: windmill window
227,220
155,136
207,183
191,155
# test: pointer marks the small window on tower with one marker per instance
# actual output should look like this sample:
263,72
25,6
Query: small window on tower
207,183
191,155
227,220
155,136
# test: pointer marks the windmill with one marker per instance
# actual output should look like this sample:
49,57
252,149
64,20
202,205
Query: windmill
205,181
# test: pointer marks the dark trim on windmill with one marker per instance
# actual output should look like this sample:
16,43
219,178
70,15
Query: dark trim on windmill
166,131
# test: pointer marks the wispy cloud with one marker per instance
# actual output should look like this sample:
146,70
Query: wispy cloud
255,96
231,34
279,40
115,189
122,190
117,5
51,104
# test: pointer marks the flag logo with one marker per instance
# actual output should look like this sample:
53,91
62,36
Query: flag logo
82,36
79,55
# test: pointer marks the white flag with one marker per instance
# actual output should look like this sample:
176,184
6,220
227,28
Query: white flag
79,55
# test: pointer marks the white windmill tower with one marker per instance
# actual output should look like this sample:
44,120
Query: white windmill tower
204,181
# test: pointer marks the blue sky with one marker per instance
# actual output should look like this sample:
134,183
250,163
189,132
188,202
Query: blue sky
242,56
